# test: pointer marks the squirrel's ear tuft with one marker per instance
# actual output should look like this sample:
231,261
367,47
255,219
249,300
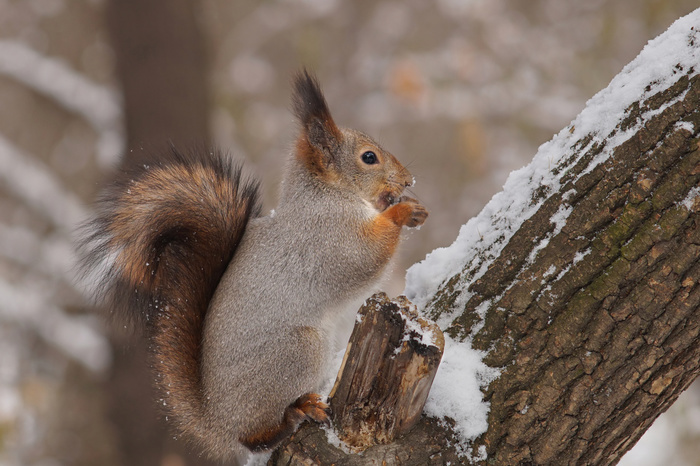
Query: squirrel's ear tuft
311,109
308,101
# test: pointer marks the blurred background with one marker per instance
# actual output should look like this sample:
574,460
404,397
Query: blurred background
462,91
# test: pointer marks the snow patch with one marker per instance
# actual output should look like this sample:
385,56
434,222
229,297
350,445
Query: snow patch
691,199
558,220
578,257
258,459
686,125
414,331
456,391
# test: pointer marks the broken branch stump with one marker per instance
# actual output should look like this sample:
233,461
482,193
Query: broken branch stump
387,371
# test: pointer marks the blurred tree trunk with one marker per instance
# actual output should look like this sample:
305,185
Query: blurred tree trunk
162,67
595,324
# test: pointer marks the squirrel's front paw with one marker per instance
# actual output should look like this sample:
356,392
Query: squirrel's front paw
418,212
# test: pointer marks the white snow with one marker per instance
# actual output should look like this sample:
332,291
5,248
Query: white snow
258,459
578,257
456,389
550,271
484,236
686,125
691,198
414,331
456,392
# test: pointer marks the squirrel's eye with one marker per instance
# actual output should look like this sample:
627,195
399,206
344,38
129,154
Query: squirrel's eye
369,157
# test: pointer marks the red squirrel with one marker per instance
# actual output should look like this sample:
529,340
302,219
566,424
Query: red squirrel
242,310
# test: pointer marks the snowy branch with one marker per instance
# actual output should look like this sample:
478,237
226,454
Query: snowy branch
32,182
97,105
76,336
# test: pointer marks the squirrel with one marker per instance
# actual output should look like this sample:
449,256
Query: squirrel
242,310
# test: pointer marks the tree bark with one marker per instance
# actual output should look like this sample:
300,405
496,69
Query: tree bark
594,324
387,371
593,358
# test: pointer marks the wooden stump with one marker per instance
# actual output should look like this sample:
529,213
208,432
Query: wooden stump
387,371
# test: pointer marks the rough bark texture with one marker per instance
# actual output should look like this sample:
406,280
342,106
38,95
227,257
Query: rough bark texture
593,358
387,371
428,443
596,325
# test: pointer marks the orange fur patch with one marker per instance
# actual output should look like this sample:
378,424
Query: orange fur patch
384,232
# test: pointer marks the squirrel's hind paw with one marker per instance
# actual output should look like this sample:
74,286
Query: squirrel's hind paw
310,406
314,408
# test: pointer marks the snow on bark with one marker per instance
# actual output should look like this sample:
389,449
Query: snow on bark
673,55
482,237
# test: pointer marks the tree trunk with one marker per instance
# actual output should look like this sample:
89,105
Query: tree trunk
387,371
161,65
592,358
591,307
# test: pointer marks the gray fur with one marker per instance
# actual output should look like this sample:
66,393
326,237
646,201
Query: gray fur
278,282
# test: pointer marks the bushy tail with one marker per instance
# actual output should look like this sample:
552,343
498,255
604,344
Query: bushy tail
163,235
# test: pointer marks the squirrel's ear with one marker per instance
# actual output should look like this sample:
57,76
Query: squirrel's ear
318,127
